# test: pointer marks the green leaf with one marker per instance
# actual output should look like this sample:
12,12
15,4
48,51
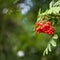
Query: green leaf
49,47
53,43
55,36
57,3
39,12
51,4
38,19
54,10
45,52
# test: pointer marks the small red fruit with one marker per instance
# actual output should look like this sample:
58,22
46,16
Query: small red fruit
45,28
49,23
51,28
39,24
38,29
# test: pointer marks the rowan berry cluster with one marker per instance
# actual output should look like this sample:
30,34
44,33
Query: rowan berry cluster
45,27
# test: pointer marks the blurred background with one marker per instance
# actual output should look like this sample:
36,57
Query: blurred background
18,40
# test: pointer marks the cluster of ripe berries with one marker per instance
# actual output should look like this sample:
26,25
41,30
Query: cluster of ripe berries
45,28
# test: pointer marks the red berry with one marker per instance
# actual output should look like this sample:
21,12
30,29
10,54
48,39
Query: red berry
39,24
38,29
45,27
49,23
47,31
51,28
52,33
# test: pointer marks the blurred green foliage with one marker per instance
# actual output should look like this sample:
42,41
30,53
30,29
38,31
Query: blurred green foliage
17,34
